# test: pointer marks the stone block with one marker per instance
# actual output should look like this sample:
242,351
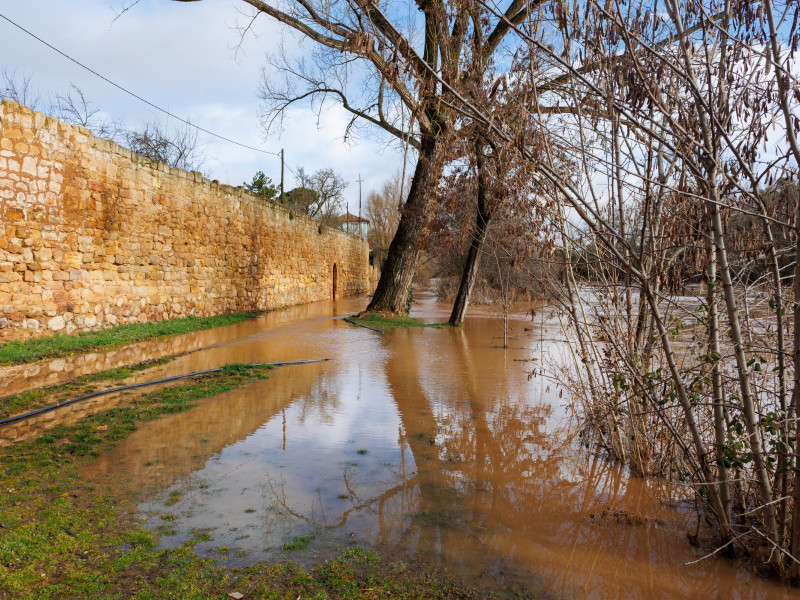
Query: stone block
73,259
57,323
29,166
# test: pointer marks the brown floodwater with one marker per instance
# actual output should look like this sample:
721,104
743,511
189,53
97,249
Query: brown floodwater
20,378
427,445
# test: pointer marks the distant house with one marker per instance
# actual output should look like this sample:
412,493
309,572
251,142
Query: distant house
355,225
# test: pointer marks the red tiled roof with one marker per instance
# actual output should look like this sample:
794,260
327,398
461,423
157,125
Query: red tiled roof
348,218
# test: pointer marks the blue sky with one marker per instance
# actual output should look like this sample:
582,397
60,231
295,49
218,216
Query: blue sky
183,58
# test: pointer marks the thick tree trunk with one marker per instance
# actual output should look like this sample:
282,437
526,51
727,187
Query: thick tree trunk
470,272
401,263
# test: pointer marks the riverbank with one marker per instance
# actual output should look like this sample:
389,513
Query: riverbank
64,536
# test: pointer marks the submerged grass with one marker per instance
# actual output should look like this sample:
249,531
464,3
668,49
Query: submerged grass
86,384
300,542
434,518
63,536
394,322
62,345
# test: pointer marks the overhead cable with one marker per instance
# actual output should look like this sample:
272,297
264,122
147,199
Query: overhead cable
138,97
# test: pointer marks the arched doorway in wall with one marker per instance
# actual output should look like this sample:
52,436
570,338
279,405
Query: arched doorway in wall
335,280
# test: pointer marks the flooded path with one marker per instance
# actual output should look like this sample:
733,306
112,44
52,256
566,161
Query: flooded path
423,444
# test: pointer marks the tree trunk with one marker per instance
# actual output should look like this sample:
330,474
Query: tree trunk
401,262
718,392
470,272
795,544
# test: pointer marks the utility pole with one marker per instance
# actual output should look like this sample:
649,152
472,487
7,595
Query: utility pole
281,175
360,228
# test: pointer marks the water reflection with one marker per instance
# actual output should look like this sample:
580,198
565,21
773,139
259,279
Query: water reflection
216,351
20,378
423,443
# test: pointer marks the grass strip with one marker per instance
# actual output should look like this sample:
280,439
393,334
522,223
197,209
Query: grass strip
27,351
64,537
395,322
86,384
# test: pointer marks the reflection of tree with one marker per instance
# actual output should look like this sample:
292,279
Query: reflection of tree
323,400
386,505
497,480
375,505
525,494
490,448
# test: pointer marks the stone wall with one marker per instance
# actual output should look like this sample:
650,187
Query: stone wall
92,235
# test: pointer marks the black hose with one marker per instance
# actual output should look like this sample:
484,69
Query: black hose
132,386
357,324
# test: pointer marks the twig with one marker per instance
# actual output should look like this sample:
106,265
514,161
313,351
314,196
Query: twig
725,545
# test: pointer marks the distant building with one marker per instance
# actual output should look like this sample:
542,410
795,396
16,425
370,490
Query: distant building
355,225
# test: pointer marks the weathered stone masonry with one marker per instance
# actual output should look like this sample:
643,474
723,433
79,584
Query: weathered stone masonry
92,235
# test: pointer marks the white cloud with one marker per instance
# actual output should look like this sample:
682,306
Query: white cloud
182,58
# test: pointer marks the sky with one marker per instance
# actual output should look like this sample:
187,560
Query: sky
183,57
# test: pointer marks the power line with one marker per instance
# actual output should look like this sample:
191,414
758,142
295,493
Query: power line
127,91
292,171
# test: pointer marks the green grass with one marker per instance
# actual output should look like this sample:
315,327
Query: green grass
62,345
86,384
394,322
298,543
64,536
356,574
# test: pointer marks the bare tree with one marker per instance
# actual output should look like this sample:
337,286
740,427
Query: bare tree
391,69
176,146
319,195
74,108
19,87
673,110
658,113
383,213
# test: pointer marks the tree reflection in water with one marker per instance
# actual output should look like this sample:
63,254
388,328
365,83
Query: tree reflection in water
469,466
